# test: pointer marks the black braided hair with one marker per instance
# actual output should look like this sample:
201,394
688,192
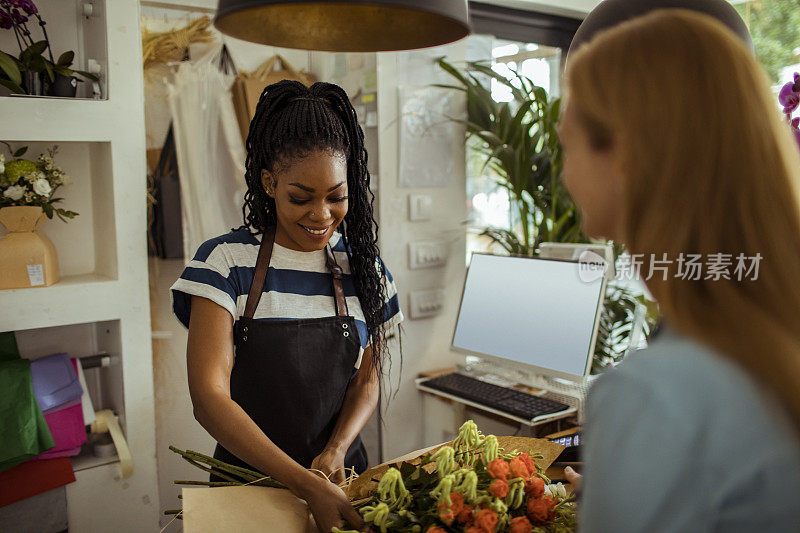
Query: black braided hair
290,122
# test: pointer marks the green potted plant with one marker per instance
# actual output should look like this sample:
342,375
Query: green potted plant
521,152
31,71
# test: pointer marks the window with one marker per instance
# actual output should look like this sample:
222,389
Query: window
775,28
488,203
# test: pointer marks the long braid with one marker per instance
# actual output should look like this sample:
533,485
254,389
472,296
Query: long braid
290,122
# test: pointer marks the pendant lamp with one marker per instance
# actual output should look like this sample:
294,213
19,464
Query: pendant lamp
612,12
345,26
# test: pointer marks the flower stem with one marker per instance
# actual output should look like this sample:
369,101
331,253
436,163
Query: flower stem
44,32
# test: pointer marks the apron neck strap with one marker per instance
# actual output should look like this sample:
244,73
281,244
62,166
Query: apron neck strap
260,276
262,265
338,291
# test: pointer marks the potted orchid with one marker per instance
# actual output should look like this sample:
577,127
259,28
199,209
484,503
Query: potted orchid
31,71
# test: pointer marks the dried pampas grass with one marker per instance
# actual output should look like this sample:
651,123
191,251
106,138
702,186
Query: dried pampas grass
171,46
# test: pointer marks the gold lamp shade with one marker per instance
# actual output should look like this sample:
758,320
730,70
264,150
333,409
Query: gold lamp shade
338,26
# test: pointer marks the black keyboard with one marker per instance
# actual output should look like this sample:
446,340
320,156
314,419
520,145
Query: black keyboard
510,401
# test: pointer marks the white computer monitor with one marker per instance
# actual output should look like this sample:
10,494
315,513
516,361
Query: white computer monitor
532,314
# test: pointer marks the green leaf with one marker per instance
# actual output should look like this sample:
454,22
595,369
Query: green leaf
37,64
10,68
21,152
88,75
33,51
12,86
49,69
65,59
38,47
63,214
48,210
64,71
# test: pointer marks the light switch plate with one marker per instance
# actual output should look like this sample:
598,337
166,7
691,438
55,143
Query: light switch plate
427,254
420,207
427,303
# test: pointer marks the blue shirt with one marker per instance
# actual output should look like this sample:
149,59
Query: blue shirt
680,439
298,284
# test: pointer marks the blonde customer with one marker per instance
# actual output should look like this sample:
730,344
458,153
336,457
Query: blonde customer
675,147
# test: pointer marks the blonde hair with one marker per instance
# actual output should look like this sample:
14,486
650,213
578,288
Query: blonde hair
709,167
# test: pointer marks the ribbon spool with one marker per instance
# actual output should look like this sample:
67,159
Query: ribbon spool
108,422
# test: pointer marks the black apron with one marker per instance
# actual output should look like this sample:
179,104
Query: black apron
291,376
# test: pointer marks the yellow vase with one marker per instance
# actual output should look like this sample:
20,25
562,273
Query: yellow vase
27,256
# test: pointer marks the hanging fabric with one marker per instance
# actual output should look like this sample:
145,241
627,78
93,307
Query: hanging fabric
209,150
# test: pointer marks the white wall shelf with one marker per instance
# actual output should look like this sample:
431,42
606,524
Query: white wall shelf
73,300
101,303
61,119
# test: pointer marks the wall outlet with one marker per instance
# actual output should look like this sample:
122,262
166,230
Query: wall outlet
420,207
427,254
426,303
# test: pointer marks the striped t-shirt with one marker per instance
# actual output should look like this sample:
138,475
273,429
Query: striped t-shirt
298,284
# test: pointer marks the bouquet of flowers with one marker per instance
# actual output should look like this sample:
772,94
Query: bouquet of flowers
33,183
472,485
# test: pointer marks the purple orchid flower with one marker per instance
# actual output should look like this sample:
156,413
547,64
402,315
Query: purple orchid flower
5,21
789,97
26,5
18,17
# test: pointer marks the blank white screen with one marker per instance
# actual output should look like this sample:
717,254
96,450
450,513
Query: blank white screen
533,311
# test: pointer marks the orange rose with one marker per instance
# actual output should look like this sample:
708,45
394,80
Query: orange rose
518,468
498,469
435,529
535,487
519,524
447,516
456,506
474,529
499,488
529,463
541,509
486,520
466,516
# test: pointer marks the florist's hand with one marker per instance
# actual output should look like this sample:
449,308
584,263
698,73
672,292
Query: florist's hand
575,479
330,506
331,463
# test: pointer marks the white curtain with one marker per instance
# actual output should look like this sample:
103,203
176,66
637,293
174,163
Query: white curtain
210,151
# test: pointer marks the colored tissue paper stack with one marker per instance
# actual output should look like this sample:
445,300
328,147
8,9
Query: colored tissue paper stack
42,424
58,392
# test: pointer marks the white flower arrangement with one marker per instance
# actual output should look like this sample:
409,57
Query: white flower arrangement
33,183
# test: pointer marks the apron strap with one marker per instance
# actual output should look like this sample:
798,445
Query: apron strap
262,265
338,291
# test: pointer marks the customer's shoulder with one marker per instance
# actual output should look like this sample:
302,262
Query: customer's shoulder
674,357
